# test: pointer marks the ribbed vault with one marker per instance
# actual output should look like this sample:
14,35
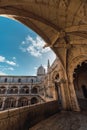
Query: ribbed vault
56,21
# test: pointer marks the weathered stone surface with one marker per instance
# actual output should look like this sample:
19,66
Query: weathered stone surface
25,117
64,121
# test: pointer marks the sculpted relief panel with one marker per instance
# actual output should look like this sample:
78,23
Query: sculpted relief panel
73,64
76,55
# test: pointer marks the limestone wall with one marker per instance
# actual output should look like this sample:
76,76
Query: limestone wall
23,118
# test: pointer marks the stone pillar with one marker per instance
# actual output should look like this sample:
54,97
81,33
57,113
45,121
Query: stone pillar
6,90
3,104
73,98
63,98
29,102
17,102
19,89
55,91
62,89
29,89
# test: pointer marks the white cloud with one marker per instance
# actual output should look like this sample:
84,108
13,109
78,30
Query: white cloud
5,68
34,46
14,58
11,63
35,68
4,60
10,68
2,73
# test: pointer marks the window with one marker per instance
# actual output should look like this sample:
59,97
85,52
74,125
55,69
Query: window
19,80
32,80
5,80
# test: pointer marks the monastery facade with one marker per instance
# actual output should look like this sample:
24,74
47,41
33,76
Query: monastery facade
18,91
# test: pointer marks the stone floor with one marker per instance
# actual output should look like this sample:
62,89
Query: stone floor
64,121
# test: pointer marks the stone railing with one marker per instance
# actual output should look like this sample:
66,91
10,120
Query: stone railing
24,117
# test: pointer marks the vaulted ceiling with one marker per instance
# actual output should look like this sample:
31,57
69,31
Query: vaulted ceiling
53,20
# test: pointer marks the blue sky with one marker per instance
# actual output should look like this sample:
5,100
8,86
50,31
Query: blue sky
21,49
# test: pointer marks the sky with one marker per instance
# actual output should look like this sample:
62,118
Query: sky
21,49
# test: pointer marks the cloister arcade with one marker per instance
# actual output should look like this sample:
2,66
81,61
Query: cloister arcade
14,102
15,94
18,90
2,90
64,28
9,102
24,89
13,90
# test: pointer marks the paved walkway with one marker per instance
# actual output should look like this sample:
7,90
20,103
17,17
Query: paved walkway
64,121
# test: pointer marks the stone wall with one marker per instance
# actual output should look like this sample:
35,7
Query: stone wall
25,117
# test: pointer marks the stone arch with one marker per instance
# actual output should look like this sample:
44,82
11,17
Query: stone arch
35,21
10,102
34,90
13,90
25,89
23,101
73,64
55,73
12,11
2,89
34,100
80,83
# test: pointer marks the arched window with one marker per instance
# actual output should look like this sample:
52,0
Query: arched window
10,103
23,102
19,80
25,89
34,100
57,76
34,90
2,90
5,80
14,90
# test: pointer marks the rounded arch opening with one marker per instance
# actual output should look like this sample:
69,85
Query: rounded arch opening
25,89
23,101
34,90
2,89
80,83
13,90
10,102
34,100
24,49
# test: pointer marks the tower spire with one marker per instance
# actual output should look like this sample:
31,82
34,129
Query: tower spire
48,65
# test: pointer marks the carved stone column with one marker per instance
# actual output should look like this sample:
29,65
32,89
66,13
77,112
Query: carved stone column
17,102
3,104
62,89
29,102
63,96
73,98
54,93
19,87
29,89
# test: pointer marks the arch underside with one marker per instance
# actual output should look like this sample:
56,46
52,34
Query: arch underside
52,20
61,23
